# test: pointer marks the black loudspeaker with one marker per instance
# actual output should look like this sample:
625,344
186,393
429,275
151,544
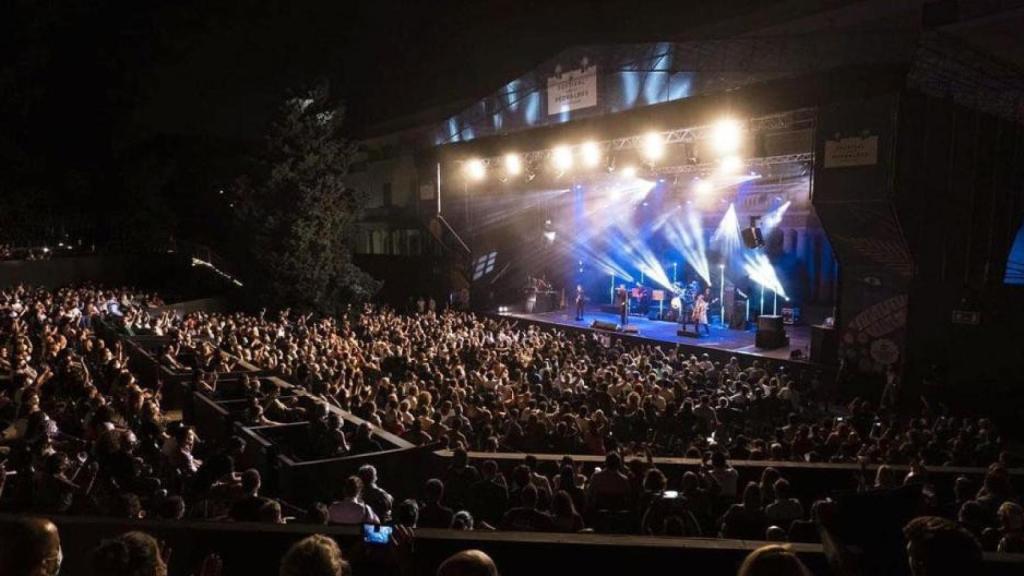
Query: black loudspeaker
770,332
688,333
752,237
609,326
824,345
738,318
630,329
770,340
766,323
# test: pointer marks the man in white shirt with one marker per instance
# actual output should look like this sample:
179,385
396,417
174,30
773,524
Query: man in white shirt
351,509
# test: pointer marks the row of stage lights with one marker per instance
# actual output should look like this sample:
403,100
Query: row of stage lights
726,140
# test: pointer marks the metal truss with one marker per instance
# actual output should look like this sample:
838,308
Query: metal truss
791,120
748,163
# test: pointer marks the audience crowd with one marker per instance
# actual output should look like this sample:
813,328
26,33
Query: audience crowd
82,435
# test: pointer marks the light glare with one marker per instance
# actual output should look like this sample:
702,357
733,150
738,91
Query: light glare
475,169
561,156
653,146
591,154
513,165
726,136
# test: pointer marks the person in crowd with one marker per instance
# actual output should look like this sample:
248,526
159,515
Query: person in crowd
526,517
938,547
746,520
373,495
467,563
131,554
773,560
351,509
30,547
247,507
315,555
434,514
564,517
489,496
784,509
610,488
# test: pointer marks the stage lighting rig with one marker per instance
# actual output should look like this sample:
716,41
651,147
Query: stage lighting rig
475,169
653,146
561,157
591,154
727,136
513,164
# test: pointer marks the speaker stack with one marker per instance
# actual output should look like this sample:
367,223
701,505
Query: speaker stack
771,333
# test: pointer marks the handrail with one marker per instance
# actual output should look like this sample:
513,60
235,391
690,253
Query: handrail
465,247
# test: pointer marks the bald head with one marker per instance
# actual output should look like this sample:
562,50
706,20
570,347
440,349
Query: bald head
468,563
29,547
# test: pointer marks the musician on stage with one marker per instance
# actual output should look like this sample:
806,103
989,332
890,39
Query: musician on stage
700,314
622,300
580,299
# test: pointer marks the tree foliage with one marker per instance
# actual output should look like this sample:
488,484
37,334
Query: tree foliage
297,216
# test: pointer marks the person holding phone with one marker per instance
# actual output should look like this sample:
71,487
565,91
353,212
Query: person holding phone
351,509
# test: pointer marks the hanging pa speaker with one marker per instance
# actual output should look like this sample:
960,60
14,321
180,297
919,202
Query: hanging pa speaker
752,237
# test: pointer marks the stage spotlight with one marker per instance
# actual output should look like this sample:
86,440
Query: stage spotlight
629,172
726,136
476,169
731,164
703,187
653,146
591,154
513,164
561,157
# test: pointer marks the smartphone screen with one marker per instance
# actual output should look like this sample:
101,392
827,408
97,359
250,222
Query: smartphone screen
376,533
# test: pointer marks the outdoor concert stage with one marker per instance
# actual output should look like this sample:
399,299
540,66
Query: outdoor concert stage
721,339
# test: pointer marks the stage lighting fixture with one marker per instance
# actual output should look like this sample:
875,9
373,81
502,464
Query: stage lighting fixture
591,154
513,164
726,136
731,164
703,187
561,157
629,172
476,169
653,146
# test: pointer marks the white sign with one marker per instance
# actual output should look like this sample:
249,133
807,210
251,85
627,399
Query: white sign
572,90
855,151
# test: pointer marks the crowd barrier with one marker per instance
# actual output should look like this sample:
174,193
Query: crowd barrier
257,549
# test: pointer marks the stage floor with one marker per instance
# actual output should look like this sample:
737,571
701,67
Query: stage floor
721,339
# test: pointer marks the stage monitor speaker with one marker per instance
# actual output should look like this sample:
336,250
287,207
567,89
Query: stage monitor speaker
600,325
769,340
767,323
752,237
630,329
688,333
824,345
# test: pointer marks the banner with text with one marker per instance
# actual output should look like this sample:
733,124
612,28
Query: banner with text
572,90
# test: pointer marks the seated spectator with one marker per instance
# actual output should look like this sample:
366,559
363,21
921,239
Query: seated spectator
564,517
745,520
610,488
407,513
315,555
458,480
489,496
375,496
351,509
462,520
247,507
131,554
773,560
785,509
466,563
1011,525
526,517
434,514
30,547
937,547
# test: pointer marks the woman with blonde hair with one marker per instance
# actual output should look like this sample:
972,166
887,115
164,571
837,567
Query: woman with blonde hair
773,560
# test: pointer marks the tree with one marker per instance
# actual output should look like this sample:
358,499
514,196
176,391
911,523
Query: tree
297,216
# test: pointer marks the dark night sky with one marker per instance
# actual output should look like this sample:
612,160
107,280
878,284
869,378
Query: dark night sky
98,98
